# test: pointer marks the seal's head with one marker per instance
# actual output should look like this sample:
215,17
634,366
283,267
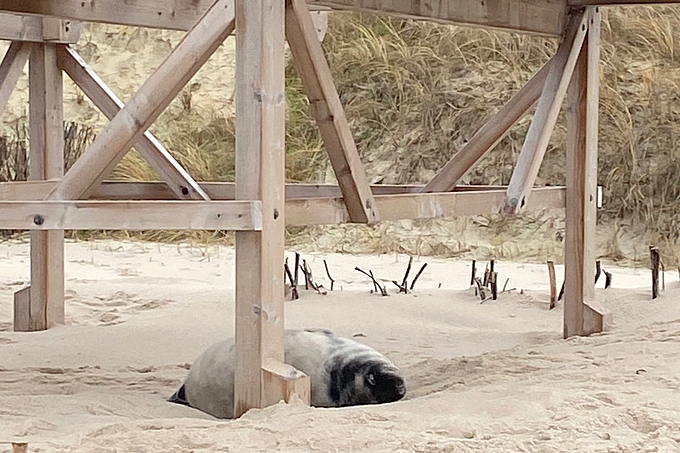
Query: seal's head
359,382
384,384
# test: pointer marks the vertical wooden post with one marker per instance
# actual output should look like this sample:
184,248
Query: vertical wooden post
260,174
46,161
581,211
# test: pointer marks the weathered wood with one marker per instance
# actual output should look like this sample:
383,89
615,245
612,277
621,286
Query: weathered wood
320,211
46,161
148,102
581,210
180,182
22,310
15,27
130,215
655,258
538,136
620,2
260,174
155,190
281,381
545,17
19,447
11,69
553,284
311,65
489,135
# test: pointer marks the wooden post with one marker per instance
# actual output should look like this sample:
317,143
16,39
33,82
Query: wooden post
11,69
46,161
655,258
581,211
260,174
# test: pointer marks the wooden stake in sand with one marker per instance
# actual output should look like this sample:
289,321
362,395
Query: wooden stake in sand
19,447
494,285
553,284
293,282
598,271
655,258
329,274
480,288
376,286
413,283
608,279
474,273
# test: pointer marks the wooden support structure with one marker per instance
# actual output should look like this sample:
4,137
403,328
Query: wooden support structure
325,103
581,212
259,205
261,378
46,161
538,136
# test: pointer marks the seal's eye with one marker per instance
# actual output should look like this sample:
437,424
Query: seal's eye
371,379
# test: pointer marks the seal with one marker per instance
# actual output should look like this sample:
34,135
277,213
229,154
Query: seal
342,372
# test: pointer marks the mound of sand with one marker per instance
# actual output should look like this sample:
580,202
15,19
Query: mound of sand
481,377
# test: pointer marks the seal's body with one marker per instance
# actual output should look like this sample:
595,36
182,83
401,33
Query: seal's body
343,372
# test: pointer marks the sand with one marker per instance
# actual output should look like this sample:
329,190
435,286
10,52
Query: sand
492,376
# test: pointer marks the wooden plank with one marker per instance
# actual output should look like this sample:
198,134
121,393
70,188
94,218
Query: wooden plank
15,27
144,107
156,190
548,109
581,210
577,3
180,182
489,135
11,69
131,215
22,310
282,382
46,161
260,174
325,211
544,17
310,63
167,14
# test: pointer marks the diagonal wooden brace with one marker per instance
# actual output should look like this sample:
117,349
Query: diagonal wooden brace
489,135
311,64
146,105
177,178
547,111
11,68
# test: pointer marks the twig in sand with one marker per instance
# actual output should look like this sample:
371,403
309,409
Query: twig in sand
494,285
329,274
506,284
376,285
608,279
598,270
413,283
293,284
310,280
491,271
655,258
401,288
485,282
553,284
559,298
404,282
297,267
474,273
480,288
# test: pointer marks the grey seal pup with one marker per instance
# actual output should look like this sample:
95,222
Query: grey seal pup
342,372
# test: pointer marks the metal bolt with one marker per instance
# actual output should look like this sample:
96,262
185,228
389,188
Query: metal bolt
185,191
38,219
276,213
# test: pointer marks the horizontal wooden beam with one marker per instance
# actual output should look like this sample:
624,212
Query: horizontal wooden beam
620,2
543,17
167,14
15,27
320,211
131,215
127,190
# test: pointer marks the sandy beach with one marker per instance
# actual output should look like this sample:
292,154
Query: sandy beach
487,377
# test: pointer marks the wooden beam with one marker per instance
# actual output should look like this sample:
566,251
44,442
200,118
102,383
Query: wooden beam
311,65
326,211
131,215
581,210
180,182
548,109
15,27
167,14
46,161
156,190
260,174
577,3
544,17
489,135
281,382
11,69
146,105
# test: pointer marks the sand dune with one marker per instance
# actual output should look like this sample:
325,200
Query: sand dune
481,377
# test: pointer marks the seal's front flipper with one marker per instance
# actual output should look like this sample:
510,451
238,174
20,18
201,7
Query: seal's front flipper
179,397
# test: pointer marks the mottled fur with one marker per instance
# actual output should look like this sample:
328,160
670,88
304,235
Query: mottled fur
343,372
